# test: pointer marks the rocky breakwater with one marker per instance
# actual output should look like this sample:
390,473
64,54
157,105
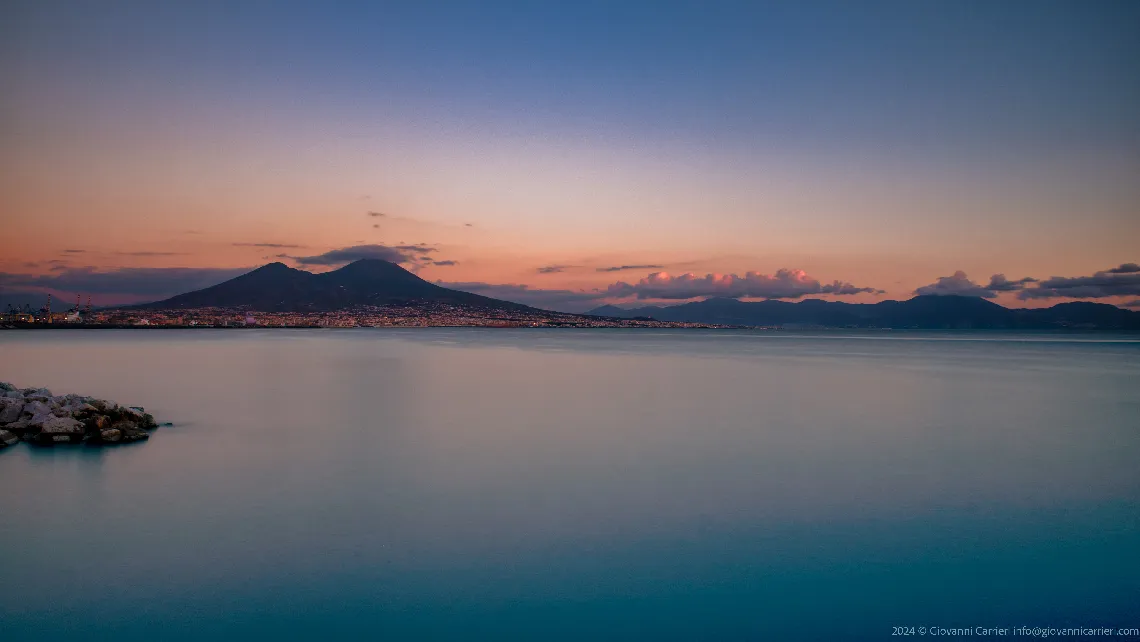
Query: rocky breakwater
38,417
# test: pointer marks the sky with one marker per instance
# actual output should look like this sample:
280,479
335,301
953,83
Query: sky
569,154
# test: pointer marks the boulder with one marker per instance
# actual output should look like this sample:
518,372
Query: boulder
5,386
75,409
96,423
40,394
110,435
54,430
129,431
102,405
130,414
37,416
7,438
10,410
53,424
35,408
19,427
138,419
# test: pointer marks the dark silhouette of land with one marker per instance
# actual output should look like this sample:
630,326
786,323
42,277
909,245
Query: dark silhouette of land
279,288
922,312
374,282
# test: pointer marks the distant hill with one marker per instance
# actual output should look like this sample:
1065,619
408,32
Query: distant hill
279,288
922,312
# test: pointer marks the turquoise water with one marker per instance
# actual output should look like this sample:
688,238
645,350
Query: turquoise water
464,484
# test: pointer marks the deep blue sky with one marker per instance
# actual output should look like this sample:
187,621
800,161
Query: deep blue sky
1040,75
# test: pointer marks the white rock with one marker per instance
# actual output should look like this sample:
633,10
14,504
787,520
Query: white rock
7,438
12,394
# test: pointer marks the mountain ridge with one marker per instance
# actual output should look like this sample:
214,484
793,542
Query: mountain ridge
276,287
921,312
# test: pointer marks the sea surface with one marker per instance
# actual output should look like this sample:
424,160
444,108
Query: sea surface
531,484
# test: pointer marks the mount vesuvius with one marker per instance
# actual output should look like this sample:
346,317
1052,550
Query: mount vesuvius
277,287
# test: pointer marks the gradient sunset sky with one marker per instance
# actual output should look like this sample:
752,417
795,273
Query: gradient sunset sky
546,151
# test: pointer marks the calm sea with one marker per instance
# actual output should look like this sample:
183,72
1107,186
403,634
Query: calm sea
465,484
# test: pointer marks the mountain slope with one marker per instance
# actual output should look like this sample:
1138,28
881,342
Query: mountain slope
269,287
278,288
921,312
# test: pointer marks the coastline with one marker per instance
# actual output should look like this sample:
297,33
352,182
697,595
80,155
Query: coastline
775,330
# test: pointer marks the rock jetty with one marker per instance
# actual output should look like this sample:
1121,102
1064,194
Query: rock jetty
38,417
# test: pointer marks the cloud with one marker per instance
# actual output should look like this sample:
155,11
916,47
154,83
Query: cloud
272,245
147,253
394,254
785,284
559,300
447,263
1131,304
554,269
959,284
376,225
468,225
619,268
998,283
74,251
377,214
137,282
1123,280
